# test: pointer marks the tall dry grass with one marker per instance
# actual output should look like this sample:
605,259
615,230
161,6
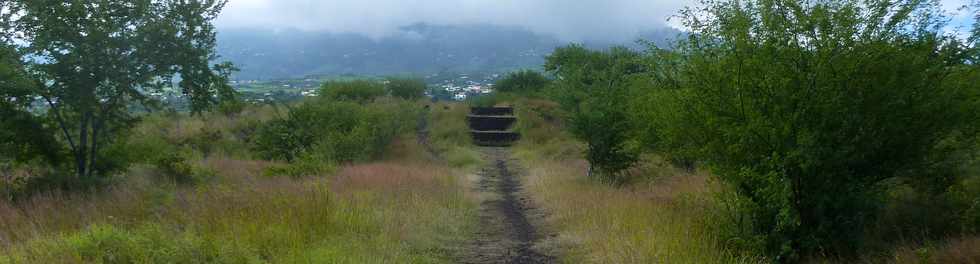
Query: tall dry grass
403,209
963,250
664,214
663,221
450,135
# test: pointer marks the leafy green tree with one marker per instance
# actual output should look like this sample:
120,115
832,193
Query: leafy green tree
526,81
360,91
807,108
23,136
592,87
94,59
406,88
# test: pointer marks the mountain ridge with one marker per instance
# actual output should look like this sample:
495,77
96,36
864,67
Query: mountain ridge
419,49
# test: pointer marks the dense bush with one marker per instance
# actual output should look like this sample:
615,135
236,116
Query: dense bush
24,137
360,91
522,82
592,89
337,131
406,88
181,167
808,109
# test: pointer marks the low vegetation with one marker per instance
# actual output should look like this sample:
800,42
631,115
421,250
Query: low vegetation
197,194
774,131
591,90
450,135
522,82
814,148
406,88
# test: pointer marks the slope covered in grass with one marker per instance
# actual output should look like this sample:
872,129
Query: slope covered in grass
401,208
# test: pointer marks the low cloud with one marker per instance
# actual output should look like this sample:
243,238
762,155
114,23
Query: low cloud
573,20
577,20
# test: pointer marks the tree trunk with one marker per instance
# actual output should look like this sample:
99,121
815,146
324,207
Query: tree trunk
93,155
81,160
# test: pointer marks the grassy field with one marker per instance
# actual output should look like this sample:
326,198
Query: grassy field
656,222
405,208
408,206
665,214
450,135
661,217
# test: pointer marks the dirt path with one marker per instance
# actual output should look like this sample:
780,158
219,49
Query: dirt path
506,233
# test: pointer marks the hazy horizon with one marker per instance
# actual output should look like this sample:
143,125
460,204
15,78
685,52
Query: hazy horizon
586,20
613,20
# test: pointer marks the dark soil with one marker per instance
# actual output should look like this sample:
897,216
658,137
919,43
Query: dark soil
505,233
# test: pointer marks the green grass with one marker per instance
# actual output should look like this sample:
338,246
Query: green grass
664,215
375,213
667,221
401,209
450,135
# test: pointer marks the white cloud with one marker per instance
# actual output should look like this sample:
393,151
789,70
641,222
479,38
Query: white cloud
569,19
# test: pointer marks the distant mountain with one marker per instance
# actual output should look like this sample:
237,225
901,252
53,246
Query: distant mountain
419,49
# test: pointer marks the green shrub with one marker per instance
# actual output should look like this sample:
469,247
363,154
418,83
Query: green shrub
181,167
336,130
807,109
966,197
231,107
279,140
406,88
205,141
592,91
24,137
522,82
360,91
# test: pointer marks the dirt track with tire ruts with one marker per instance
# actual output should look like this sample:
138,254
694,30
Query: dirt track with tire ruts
506,232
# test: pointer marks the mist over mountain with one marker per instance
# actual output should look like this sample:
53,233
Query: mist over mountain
418,49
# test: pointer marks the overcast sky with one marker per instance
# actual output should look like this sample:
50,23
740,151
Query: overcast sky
567,19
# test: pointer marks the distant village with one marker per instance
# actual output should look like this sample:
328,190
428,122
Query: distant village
444,86
459,87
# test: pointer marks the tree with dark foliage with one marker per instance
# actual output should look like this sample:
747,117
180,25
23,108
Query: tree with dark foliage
92,60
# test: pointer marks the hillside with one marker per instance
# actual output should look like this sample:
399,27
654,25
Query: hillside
785,131
420,49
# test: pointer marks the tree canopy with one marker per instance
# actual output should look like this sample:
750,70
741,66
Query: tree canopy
806,108
592,87
92,60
